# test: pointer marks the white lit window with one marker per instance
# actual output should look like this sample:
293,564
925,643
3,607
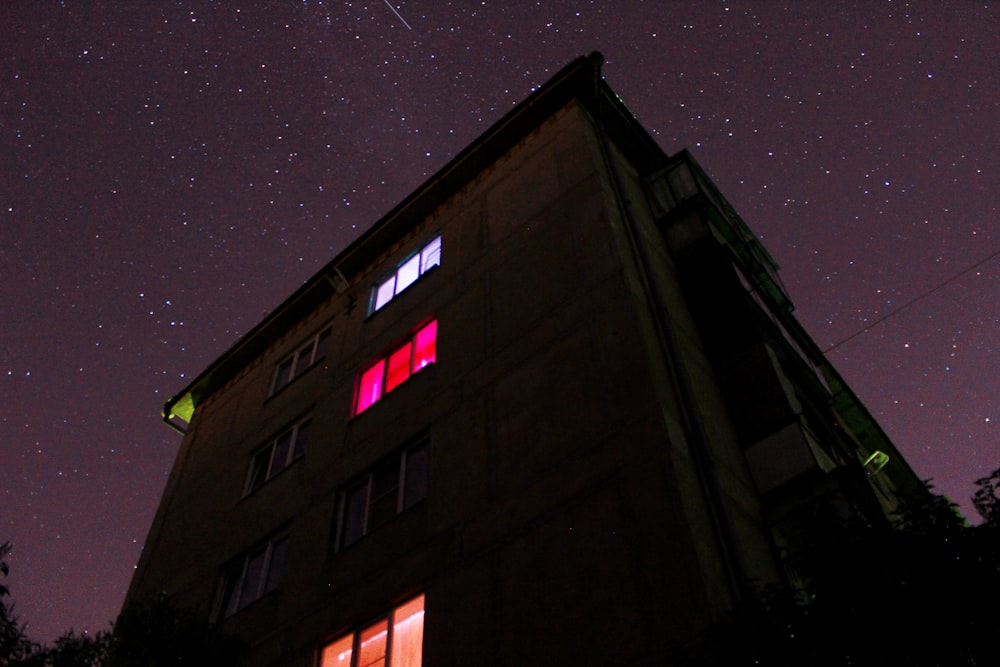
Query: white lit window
395,640
301,360
406,274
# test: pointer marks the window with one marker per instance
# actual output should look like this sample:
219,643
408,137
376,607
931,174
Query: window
278,454
391,487
396,640
301,360
250,577
390,371
406,274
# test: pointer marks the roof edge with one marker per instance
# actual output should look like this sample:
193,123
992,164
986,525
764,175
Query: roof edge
580,79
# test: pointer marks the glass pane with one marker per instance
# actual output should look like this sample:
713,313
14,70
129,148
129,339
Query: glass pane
280,458
322,346
371,649
408,634
383,504
277,564
355,503
425,346
370,389
282,374
384,292
229,598
407,273
338,654
258,468
304,359
302,438
250,590
430,255
399,367
415,481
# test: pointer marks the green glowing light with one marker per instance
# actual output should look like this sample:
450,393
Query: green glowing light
876,462
183,408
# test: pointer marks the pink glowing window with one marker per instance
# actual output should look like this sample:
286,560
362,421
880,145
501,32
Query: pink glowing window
392,370
425,346
401,632
399,366
370,387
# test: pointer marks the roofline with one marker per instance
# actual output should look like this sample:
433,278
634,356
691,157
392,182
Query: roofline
581,79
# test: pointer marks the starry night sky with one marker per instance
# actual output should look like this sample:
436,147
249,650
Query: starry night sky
173,170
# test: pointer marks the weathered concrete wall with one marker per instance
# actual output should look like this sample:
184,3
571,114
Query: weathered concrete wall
564,522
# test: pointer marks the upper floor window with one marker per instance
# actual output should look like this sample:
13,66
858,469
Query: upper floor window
406,274
277,454
392,486
301,360
390,371
250,576
395,640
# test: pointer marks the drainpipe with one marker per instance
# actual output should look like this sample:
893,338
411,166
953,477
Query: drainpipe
722,522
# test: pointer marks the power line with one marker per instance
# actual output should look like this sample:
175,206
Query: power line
913,301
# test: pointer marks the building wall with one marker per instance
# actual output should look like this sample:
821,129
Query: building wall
567,520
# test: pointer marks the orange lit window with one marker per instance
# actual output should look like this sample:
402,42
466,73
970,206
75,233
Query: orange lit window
395,640
419,351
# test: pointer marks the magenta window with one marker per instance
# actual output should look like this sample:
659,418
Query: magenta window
425,346
370,389
391,371
399,366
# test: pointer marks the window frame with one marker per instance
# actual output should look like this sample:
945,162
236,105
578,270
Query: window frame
414,457
428,258
233,577
372,379
318,342
295,451
352,641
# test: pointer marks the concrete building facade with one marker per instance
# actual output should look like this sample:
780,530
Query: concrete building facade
553,408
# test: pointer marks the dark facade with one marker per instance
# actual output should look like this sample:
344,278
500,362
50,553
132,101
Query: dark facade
553,408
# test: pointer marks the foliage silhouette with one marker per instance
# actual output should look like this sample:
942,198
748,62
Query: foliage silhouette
153,633
14,643
919,593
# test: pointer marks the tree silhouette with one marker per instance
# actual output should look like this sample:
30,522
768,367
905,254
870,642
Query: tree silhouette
919,593
14,643
985,499
155,633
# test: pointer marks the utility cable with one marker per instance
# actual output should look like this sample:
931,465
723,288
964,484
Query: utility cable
912,301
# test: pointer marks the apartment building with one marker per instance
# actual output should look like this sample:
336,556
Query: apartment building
553,408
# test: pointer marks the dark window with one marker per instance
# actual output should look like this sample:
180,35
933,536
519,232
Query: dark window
277,454
297,363
392,486
250,577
